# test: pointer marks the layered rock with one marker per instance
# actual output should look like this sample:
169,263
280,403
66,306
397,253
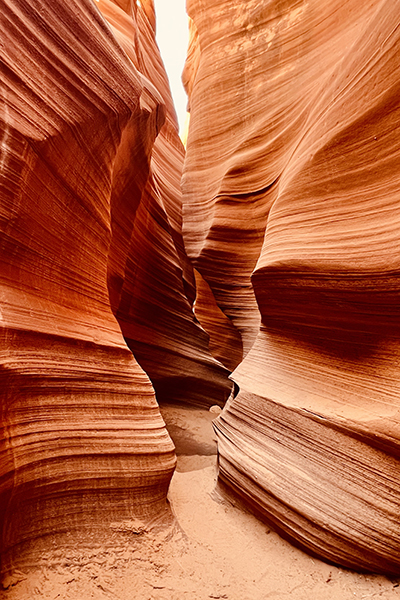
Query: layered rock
152,285
91,233
291,212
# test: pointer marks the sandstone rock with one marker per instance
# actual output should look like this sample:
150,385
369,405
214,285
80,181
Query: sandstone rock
90,244
151,281
225,341
82,440
291,213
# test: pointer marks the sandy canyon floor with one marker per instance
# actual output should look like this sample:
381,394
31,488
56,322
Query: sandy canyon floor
214,550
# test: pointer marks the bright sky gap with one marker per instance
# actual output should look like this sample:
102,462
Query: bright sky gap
172,38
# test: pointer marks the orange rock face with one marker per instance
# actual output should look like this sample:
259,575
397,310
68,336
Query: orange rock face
91,251
291,216
152,285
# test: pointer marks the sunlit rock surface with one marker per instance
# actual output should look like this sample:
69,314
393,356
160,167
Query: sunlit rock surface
291,215
91,244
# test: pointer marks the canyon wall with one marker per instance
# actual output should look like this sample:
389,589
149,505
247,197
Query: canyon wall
292,220
151,281
92,266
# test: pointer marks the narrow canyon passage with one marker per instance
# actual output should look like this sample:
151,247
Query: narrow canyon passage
191,431
192,336
214,550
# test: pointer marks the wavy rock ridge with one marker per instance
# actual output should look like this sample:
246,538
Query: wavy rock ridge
291,216
151,282
91,251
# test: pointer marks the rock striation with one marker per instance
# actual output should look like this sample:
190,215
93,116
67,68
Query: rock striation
151,281
91,251
281,265
291,217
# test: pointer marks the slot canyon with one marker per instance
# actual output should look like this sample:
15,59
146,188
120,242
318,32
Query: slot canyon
200,344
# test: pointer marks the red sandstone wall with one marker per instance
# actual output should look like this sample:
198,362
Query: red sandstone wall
91,251
291,216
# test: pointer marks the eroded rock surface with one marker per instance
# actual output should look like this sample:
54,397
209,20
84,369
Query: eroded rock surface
291,216
152,285
291,219
91,251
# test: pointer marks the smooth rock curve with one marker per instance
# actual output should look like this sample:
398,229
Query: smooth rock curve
291,212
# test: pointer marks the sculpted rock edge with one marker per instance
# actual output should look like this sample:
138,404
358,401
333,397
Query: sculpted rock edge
291,216
91,251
